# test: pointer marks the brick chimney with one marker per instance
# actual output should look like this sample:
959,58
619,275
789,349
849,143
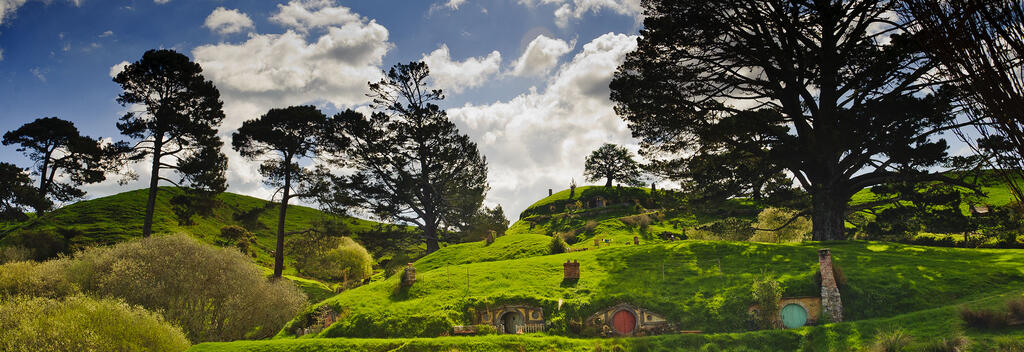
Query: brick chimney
830,300
571,270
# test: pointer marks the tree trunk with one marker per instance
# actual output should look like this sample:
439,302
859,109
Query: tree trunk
828,217
430,231
43,186
609,182
279,252
154,186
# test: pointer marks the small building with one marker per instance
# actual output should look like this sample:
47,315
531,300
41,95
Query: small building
513,319
625,319
795,312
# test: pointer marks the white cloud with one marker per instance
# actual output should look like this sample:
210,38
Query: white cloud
7,8
161,1
575,9
39,73
1,54
540,56
304,15
539,140
456,76
106,34
226,21
454,4
114,70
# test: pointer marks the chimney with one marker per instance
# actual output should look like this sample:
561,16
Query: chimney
830,301
571,270
636,240
550,192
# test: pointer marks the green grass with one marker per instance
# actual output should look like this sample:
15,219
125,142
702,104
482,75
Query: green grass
119,217
504,248
706,284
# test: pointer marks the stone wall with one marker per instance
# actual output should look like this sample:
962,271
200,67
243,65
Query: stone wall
830,300
647,322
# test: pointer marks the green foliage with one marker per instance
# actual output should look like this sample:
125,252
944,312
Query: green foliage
239,236
766,293
984,318
47,279
956,343
892,340
16,192
557,245
484,222
80,323
611,162
784,230
10,254
346,261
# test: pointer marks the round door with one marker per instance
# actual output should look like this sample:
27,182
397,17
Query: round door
624,322
793,316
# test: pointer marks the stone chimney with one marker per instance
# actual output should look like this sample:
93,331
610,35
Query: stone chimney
636,240
550,192
408,276
571,269
830,301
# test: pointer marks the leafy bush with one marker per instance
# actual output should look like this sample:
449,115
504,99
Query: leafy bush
1016,308
484,329
558,245
80,323
984,318
766,293
46,279
238,236
346,261
1008,344
797,230
44,244
894,340
10,254
213,294
956,343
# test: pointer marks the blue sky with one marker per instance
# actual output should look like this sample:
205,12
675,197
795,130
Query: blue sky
526,79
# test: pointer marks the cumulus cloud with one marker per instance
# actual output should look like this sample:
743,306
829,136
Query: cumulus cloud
226,21
575,9
106,34
304,15
540,56
117,68
456,76
539,139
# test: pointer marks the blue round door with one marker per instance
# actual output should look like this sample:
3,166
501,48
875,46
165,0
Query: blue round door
793,316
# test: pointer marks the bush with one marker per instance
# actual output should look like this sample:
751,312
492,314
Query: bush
238,236
10,254
484,329
213,294
797,230
346,261
1016,308
957,343
1008,344
766,293
80,323
43,244
984,318
894,340
46,279
558,245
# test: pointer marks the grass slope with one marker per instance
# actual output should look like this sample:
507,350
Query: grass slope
704,286
119,217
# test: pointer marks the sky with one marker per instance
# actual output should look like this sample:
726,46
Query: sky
527,80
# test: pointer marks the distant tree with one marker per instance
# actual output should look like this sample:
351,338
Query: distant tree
728,94
979,44
59,150
181,113
611,162
484,222
290,135
411,163
16,191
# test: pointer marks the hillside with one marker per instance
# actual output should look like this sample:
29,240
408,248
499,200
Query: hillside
119,217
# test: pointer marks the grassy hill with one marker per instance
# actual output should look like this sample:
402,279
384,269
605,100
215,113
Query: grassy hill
119,217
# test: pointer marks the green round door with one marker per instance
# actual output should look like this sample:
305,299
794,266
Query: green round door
793,316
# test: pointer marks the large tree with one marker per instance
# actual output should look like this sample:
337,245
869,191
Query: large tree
733,93
411,163
59,152
289,135
612,162
980,45
177,126
16,191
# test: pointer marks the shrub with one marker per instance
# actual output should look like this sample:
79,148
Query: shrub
983,318
238,236
1016,308
10,254
346,261
590,227
558,245
569,237
1008,344
773,218
46,279
213,294
894,340
80,323
43,244
766,293
484,329
956,343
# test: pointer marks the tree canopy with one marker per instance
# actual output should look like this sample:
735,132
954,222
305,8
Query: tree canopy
59,152
411,164
612,162
179,120
16,191
732,94
290,134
